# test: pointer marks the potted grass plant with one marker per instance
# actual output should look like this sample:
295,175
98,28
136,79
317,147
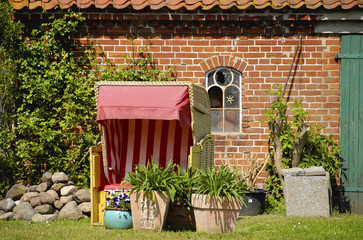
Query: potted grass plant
152,188
217,199
181,215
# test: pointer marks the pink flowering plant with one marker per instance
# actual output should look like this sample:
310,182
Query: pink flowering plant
118,199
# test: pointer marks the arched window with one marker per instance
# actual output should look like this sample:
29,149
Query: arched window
223,85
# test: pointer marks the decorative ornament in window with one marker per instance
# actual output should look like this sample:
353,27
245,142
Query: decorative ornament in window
223,86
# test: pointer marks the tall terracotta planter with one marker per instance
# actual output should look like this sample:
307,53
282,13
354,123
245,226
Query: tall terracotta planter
146,214
214,215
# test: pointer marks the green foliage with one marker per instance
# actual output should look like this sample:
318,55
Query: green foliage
224,183
289,127
141,67
186,184
152,178
322,151
9,30
318,150
9,40
54,103
274,202
47,102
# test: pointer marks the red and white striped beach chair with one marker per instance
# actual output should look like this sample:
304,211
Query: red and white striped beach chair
144,120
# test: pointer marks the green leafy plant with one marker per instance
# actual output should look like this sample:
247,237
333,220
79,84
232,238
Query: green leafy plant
294,142
55,109
141,66
9,44
224,183
186,182
152,178
47,106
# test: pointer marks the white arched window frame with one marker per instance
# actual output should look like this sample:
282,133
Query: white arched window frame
224,88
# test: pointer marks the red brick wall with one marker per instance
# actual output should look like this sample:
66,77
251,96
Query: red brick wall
258,44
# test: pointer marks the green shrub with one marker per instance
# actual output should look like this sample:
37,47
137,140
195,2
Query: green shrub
54,115
317,149
9,42
48,107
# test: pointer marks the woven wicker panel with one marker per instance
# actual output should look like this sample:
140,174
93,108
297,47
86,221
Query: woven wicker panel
201,121
206,156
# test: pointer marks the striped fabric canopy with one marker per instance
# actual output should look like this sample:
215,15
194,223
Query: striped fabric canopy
143,122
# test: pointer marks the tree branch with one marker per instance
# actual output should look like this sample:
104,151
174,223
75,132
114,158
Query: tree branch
299,145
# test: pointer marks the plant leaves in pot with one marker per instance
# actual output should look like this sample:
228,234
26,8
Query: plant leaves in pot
218,198
181,214
152,188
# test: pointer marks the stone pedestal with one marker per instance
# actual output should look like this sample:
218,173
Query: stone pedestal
307,192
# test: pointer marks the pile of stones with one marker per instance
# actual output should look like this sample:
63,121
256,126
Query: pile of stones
56,197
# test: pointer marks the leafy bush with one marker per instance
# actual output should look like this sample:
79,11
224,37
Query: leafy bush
47,106
9,35
289,133
55,110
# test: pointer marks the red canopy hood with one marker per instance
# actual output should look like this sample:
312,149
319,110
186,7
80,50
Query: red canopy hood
144,102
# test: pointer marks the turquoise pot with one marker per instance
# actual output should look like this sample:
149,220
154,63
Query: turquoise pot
117,219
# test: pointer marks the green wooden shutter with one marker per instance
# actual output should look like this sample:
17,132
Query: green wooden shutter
351,119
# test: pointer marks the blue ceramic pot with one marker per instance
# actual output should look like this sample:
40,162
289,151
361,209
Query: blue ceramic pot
117,219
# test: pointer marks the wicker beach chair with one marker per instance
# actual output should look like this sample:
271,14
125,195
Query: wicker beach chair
144,120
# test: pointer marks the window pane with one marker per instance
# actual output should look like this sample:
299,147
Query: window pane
223,76
210,78
232,97
215,96
217,121
231,121
236,78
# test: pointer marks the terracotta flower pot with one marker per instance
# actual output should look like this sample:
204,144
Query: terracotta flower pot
214,215
146,214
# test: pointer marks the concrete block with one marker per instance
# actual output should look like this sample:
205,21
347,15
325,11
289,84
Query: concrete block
307,195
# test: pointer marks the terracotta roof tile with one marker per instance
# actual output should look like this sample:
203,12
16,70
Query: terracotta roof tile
187,4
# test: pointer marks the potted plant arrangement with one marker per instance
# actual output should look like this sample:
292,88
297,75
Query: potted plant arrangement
181,214
152,188
118,209
218,198
255,198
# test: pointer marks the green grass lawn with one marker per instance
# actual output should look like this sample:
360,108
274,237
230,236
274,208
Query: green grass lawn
259,227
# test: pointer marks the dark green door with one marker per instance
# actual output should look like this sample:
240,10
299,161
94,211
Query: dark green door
351,121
